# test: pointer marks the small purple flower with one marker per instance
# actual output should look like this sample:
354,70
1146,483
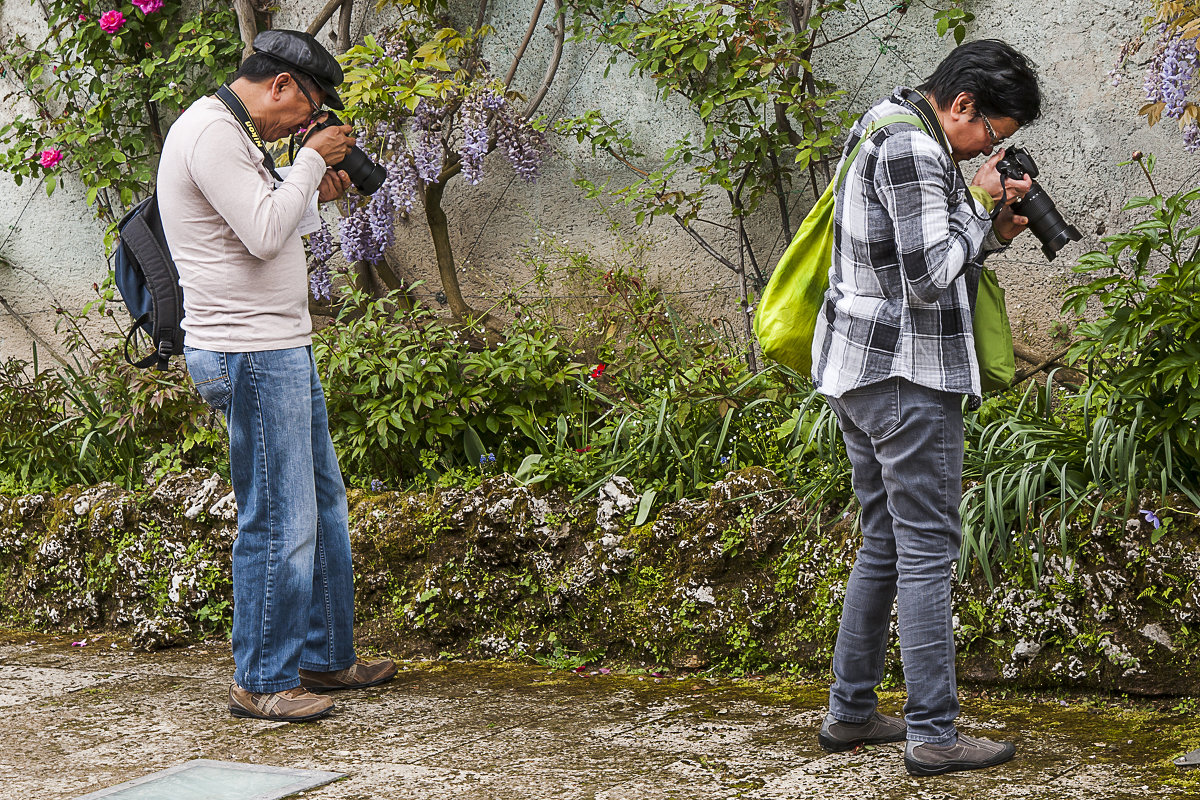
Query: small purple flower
377,485
1191,137
320,282
1151,517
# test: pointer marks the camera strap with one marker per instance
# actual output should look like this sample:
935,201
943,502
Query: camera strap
238,109
924,109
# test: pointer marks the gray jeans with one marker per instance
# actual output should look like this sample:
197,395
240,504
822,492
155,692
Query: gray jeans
905,444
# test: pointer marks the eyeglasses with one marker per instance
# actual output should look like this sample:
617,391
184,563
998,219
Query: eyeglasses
996,140
316,107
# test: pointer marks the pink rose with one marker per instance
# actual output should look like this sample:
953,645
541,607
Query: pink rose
50,158
148,6
83,17
112,21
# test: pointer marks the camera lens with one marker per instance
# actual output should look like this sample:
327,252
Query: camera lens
1046,223
366,175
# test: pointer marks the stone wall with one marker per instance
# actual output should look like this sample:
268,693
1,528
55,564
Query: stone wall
55,253
737,582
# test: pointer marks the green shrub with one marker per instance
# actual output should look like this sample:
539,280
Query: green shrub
401,384
1143,353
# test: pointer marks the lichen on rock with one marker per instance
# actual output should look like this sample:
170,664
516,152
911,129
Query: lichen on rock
743,580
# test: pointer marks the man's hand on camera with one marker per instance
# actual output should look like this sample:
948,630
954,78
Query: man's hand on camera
1008,224
333,143
333,185
989,179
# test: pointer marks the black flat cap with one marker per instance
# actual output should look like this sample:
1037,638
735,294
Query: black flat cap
304,53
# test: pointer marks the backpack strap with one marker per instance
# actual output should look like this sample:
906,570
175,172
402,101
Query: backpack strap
162,280
872,129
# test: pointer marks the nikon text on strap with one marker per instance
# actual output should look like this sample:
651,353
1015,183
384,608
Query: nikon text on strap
238,109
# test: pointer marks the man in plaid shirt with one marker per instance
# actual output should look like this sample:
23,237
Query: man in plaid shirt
894,354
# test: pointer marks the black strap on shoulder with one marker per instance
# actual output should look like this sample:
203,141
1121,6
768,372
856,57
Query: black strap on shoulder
238,109
920,104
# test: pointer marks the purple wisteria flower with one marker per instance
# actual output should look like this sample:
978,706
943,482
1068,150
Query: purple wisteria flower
320,282
475,140
320,243
1171,73
402,183
381,218
523,145
1191,137
355,233
426,144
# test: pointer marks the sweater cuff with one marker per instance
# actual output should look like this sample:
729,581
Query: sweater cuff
985,199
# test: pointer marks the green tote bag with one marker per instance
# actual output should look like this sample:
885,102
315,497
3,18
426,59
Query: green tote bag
786,316
993,335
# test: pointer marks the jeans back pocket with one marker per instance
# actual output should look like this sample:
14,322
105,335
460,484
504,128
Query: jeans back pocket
210,374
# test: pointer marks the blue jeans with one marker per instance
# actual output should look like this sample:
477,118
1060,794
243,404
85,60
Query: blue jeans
293,582
905,443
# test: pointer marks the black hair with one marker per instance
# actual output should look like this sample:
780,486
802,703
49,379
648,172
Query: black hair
261,67
1001,81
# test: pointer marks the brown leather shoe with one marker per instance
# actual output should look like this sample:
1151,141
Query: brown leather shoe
359,675
290,705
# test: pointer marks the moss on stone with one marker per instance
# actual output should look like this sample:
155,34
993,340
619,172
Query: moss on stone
742,582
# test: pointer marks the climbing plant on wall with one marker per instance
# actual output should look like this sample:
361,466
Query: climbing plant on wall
766,122
96,94
1171,33
431,109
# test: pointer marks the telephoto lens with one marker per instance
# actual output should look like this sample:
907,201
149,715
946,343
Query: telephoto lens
365,174
1044,220
1046,223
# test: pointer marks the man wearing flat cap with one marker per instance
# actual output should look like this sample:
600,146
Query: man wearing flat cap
232,225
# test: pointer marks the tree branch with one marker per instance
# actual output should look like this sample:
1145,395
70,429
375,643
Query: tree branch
323,16
1041,363
247,25
34,334
483,4
856,30
343,37
533,21
708,248
560,36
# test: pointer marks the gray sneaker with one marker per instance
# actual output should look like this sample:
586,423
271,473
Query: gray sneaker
969,752
837,736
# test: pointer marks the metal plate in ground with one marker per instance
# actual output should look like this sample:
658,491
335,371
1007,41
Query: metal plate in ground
203,779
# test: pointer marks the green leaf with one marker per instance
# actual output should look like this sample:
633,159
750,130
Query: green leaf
473,447
645,505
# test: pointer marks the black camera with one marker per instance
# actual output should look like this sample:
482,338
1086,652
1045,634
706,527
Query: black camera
366,175
1044,220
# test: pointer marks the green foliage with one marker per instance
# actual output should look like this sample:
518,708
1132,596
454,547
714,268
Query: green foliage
401,382
1143,352
384,85
744,71
105,99
99,419
953,20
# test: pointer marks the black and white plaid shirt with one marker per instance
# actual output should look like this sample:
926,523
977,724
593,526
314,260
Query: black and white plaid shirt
907,250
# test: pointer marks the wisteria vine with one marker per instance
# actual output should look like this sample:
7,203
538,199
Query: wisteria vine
419,151
1170,75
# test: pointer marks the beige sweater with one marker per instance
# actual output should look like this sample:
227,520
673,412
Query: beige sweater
233,238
